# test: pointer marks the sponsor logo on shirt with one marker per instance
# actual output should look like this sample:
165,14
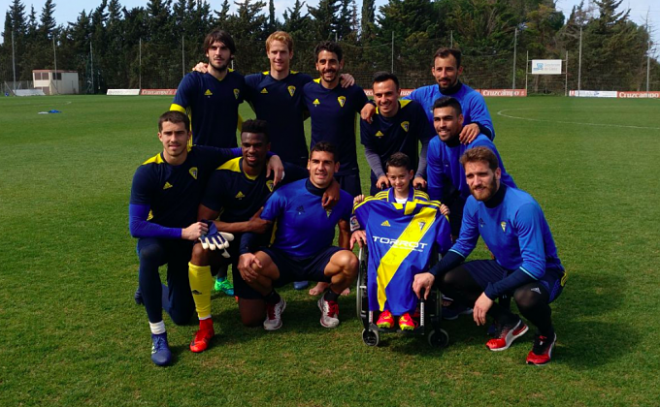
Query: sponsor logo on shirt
400,244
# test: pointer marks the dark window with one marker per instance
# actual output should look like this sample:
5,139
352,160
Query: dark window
58,76
37,76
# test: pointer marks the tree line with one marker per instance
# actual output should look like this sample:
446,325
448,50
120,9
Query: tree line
112,46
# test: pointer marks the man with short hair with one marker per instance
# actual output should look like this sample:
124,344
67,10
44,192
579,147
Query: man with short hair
302,246
333,110
165,194
398,125
527,267
445,174
446,70
211,99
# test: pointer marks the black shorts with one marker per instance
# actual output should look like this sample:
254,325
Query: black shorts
490,271
350,182
301,268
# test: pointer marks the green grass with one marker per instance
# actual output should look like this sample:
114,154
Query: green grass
71,335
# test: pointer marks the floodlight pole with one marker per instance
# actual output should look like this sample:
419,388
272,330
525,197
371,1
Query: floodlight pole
140,66
392,67
183,58
13,58
91,59
566,81
55,63
526,70
451,39
515,45
580,63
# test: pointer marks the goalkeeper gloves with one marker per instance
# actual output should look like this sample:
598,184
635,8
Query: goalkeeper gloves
216,240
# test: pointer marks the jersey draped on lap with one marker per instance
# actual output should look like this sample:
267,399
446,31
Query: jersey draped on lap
212,106
401,240
280,103
303,227
403,132
334,117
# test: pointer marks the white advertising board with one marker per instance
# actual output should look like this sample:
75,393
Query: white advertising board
546,66
123,92
593,93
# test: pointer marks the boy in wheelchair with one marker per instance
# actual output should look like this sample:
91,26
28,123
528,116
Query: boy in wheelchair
402,228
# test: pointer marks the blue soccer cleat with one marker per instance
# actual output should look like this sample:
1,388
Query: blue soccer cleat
160,351
300,285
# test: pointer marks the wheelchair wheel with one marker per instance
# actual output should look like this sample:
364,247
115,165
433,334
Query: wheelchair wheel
370,338
439,338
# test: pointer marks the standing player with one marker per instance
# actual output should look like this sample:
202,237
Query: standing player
398,125
446,175
513,226
165,195
302,246
333,112
446,69
211,99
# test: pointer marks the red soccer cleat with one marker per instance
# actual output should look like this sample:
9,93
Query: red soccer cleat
506,336
541,353
203,336
385,320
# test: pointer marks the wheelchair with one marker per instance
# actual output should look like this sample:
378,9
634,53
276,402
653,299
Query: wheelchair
430,313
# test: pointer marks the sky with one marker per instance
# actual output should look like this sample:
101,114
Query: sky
68,10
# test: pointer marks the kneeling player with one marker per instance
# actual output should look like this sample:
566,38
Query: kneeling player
402,251
513,226
302,248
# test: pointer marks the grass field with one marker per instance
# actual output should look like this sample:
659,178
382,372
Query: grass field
71,335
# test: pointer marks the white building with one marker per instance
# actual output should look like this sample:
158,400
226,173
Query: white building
56,82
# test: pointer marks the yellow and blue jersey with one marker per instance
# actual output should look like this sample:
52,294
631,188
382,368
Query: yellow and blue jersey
515,230
403,132
334,119
446,174
212,106
173,193
303,227
401,240
280,103
238,196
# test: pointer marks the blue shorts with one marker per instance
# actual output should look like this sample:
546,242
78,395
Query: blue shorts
489,271
301,268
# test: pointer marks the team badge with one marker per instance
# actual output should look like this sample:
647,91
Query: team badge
269,185
167,185
503,225
292,90
328,212
341,100
315,102
406,126
421,225
300,210
481,222
237,92
386,223
193,172
379,134
239,195
355,225
208,93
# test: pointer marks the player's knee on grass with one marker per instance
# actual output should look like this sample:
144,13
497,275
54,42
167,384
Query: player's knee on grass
252,311
152,253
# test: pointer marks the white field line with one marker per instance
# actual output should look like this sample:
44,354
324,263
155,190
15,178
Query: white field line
501,113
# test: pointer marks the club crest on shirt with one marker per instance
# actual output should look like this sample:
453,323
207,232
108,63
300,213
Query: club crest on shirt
300,210
269,185
405,126
193,172
292,90
421,225
503,225
481,223
328,212
341,100
237,92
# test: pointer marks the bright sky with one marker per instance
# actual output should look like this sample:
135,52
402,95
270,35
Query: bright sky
68,10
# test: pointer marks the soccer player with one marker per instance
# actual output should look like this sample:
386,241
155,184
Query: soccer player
445,174
165,195
302,247
211,99
399,207
236,191
446,70
333,110
513,226
398,125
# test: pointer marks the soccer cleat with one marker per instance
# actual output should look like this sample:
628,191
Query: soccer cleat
160,350
224,285
273,320
541,352
407,323
138,297
203,336
329,313
300,285
506,336
454,311
385,320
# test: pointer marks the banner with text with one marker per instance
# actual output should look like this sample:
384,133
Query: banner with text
123,92
158,92
546,66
